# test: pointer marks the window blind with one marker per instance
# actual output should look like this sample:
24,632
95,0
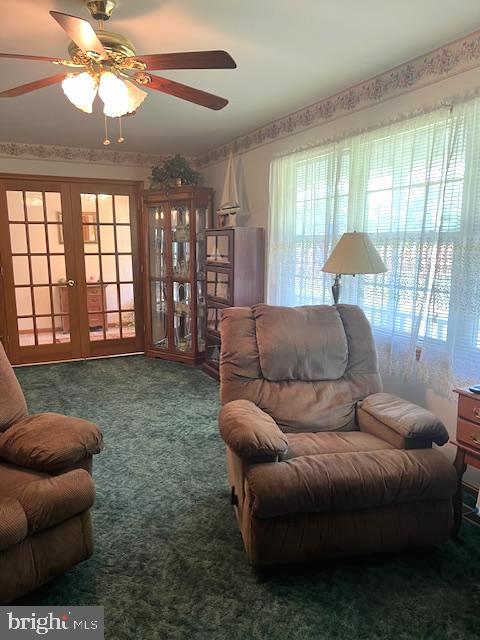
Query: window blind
414,187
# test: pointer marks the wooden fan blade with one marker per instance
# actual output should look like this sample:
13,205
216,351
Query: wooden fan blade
32,86
185,92
81,32
189,60
21,56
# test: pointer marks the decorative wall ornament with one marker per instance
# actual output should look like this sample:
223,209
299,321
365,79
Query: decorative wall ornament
454,58
76,154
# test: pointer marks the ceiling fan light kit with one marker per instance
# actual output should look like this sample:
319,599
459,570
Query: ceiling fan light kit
106,63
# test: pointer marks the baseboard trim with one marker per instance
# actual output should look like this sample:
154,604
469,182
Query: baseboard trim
114,355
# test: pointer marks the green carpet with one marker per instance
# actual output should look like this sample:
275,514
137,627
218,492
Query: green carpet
169,562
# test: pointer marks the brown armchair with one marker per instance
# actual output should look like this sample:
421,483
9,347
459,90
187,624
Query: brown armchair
320,461
46,491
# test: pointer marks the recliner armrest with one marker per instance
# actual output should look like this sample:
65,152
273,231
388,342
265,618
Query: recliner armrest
13,522
50,501
50,442
250,432
411,423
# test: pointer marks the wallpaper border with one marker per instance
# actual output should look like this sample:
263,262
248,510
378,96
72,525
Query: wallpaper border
451,59
76,154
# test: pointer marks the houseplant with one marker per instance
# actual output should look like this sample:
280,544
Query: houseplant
175,171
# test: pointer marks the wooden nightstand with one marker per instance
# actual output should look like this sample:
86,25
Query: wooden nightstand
468,445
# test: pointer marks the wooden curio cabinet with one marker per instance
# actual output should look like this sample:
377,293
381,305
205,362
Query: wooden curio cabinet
175,225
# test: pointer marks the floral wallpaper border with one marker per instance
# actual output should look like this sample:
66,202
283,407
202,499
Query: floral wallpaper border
451,59
75,154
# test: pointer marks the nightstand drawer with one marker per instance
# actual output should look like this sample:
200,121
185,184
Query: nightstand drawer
469,408
468,433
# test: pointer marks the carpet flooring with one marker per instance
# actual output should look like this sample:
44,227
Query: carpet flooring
169,561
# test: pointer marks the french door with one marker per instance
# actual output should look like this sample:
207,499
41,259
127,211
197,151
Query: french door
69,263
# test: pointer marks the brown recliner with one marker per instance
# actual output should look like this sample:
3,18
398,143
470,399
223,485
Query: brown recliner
321,463
46,491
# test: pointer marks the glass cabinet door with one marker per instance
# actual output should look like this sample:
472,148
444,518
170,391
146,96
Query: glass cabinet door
218,249
157,242
219,285
201,224
181,268
157,239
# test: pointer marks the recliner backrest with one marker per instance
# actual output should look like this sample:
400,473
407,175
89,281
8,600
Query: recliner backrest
305,366
12,401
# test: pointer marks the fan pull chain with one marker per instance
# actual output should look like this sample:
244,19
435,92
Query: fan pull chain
106,141
120,134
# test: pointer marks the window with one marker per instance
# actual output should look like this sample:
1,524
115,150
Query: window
414,187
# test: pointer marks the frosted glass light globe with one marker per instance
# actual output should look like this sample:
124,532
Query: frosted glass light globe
135,96
114,94
80,90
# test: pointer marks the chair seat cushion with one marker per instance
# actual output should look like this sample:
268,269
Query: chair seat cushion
345,481
307,444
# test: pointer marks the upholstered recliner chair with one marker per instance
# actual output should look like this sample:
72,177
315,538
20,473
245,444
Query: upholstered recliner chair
46,491
320,461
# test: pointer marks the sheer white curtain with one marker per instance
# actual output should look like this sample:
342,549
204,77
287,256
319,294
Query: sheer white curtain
415,188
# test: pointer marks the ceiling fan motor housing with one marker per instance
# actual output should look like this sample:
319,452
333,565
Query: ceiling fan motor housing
100,9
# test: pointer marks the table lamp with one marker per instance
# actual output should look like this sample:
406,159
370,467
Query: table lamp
354,253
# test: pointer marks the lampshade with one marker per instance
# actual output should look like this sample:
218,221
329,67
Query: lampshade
81,90
354,253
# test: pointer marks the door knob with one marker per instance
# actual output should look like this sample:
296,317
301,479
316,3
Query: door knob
70,283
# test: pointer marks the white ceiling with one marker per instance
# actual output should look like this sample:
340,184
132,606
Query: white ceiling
289,55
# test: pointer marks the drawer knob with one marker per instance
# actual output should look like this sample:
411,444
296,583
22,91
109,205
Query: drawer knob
476,412
475,440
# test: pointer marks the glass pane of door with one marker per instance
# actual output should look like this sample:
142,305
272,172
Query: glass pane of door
218,248
107,247
182,316
219,286
180,220
41,290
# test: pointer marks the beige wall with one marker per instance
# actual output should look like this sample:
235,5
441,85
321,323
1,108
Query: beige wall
252,169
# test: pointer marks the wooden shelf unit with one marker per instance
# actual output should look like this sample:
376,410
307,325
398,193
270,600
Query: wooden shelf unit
234,267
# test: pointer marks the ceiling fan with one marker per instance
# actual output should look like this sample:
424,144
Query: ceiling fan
106,63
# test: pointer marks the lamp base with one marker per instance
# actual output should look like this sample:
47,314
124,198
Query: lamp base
336,288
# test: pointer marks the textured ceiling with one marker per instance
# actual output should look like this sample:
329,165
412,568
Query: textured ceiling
289,54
